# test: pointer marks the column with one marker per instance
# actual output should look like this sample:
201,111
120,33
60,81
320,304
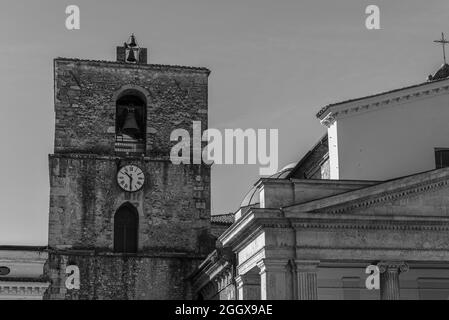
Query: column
389,279
274,276
248,286
306,279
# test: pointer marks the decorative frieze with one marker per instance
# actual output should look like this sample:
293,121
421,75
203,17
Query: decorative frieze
22,290
375,225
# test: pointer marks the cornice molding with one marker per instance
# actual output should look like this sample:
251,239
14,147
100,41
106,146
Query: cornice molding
23,289
329,120
247,223
216,265
211,284
334,112
369,225
386,196
156,67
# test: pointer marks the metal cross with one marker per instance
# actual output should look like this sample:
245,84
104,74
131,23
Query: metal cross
443,42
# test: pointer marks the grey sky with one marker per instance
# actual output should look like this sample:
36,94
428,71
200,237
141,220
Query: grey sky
274,64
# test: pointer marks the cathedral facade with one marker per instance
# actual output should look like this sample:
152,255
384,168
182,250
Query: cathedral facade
363,215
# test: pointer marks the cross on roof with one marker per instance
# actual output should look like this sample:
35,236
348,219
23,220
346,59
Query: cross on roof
443,42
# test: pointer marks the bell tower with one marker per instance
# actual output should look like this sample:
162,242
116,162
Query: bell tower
134,224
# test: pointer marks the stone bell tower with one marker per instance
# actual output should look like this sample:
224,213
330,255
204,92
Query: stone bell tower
134,224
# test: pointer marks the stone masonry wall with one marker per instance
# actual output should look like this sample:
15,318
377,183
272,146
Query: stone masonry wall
173,205
85,102
115,277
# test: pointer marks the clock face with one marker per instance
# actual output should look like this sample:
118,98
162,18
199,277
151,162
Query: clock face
130,178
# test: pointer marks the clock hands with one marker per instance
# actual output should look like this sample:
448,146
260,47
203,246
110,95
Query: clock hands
130,180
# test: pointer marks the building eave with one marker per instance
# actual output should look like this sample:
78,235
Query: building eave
375,194
390,97
243,228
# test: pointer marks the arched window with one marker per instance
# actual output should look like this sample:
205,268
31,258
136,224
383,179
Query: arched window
130,123
126,227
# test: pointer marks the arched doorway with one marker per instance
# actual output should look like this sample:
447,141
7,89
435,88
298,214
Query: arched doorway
126,226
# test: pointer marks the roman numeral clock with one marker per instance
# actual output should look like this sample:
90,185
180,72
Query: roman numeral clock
130,178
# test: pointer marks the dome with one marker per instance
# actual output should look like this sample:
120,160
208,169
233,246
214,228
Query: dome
252,197
284,172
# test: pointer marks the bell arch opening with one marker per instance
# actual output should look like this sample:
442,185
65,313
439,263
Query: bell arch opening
126,229
130,123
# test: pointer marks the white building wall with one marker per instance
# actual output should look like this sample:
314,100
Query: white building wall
391,141
333,151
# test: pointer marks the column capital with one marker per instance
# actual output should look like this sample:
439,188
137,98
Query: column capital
389,278
250,278
272,265
306,265
275,279
248,286
393,266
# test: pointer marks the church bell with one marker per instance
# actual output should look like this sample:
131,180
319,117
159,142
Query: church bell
130,127
133,43
131,56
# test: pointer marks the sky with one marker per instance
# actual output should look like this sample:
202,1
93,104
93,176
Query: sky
274,65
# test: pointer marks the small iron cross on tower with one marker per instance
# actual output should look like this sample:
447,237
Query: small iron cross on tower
443,42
